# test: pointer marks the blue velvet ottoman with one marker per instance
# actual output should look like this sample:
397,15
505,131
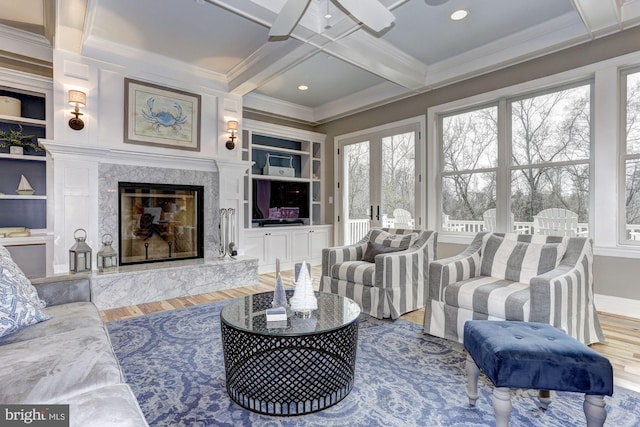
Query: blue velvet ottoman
536,356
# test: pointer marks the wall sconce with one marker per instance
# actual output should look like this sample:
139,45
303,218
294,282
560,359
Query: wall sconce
79,99
232,128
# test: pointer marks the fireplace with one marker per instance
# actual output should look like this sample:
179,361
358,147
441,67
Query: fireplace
160,222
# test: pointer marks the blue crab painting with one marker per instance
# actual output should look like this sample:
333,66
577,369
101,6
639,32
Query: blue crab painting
164,118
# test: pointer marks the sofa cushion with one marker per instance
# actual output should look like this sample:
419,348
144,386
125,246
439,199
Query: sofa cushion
491,296
384,238
374,249
64,318
354,272
518,261
109,406
56,367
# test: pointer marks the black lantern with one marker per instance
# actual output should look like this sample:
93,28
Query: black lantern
80,253
107,256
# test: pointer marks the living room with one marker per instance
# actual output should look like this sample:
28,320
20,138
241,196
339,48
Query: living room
84,167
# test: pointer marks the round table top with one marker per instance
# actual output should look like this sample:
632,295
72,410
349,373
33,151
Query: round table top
249,314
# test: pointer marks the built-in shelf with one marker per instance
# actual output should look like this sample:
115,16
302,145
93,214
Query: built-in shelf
19,197
25,157
22,120
34,253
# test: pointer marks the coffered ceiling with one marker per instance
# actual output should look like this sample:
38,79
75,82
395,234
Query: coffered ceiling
346,66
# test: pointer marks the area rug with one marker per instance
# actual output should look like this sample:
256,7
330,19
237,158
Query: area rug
173,361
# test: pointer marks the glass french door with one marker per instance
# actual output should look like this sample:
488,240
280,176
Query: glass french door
378,182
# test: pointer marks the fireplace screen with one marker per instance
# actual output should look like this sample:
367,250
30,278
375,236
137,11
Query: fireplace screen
160,222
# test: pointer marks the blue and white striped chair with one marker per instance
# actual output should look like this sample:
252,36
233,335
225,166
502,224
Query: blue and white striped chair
394,284
531,278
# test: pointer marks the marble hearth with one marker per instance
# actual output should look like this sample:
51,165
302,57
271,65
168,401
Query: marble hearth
138,284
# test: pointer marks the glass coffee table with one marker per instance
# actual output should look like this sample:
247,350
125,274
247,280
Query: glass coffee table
291,367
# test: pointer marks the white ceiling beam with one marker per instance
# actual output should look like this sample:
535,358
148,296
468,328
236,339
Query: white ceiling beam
600,17
71,23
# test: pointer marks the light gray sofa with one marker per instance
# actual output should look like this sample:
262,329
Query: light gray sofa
67,359
545,279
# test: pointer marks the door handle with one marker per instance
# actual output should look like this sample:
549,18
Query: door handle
371,212
378,213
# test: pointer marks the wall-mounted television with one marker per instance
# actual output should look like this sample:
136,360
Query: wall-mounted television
280,202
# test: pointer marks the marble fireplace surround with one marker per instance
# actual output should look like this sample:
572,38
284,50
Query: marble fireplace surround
109,175
85,184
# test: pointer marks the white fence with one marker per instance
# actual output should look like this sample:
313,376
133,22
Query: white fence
358,228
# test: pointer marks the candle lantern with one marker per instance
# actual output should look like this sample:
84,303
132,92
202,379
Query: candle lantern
107,256
80,253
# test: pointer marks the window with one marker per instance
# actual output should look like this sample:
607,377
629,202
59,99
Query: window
547,148
469,165
631,154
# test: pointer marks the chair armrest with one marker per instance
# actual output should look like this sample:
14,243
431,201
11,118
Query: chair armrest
563,297
63,289
337,254
446,271
409,266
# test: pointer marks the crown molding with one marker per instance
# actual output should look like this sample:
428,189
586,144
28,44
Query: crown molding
24,43
114,53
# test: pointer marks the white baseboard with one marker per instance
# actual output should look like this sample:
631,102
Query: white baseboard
616,305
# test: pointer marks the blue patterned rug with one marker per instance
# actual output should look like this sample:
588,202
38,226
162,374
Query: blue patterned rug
174,364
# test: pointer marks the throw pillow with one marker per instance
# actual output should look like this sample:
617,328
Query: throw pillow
11,273
374,249
518,261
385,238
16,310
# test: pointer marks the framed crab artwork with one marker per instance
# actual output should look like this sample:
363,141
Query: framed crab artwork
161,116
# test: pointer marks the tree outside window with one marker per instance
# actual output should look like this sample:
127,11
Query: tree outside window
548,144
631,154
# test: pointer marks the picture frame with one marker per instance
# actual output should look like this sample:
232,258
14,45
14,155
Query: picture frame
161,116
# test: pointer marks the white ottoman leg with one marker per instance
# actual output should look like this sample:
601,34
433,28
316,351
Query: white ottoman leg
472,380
594,410
502,405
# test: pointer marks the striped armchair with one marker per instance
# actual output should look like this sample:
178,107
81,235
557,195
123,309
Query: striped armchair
546,279
394,284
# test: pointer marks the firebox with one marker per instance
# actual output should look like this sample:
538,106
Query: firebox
160,222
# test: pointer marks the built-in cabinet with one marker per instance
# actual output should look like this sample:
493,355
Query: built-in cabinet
290,245
283,195
30,248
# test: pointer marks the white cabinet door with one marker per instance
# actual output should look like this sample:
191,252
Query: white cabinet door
277,247
300,245
319,240
255,246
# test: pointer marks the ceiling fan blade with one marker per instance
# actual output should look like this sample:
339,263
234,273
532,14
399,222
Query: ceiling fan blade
435,2
371,13
288,17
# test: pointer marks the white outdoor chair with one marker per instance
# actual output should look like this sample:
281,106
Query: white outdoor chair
489,217
447,226
556,222
402,219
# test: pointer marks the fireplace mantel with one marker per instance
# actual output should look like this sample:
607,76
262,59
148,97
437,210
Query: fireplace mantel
84,179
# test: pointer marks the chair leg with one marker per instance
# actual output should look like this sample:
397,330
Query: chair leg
544,397
472,380
594,410
502,405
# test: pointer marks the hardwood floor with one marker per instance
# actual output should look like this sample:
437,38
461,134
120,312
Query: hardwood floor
622,346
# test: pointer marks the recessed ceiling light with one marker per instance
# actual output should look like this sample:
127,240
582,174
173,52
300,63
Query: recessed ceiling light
303,87
459,14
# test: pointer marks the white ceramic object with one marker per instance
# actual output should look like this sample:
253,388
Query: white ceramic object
10,106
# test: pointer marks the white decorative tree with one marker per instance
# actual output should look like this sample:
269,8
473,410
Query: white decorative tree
304,299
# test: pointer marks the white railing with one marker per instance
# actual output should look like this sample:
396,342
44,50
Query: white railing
358,228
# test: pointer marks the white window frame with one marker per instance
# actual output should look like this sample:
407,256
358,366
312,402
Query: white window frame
604,219
624,157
